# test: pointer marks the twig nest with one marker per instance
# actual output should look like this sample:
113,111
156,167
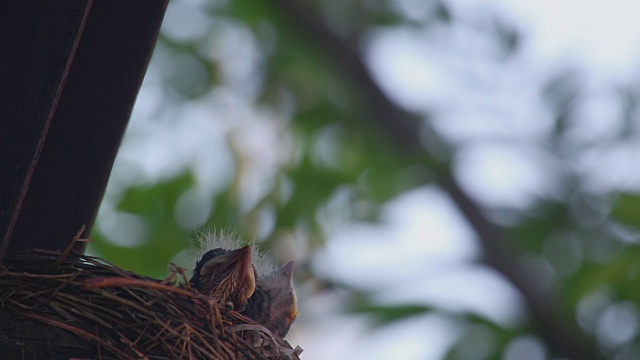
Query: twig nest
85,307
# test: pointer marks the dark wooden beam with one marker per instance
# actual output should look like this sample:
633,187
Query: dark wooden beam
73,76
37,43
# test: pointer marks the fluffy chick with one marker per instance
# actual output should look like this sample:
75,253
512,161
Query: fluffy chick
274,304
227,276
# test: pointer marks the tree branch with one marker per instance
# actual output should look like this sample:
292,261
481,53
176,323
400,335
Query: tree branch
405,129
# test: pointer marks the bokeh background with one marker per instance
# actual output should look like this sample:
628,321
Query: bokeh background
456,179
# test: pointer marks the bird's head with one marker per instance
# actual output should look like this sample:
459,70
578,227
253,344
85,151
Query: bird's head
227,276
274,303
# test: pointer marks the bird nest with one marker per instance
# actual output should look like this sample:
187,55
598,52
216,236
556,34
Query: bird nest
83,307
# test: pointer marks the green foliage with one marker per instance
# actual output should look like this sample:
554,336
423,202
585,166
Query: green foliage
385,314
627,209
533,230
155,205
621,274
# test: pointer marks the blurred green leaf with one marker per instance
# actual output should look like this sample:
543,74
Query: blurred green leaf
622,273
626,209
385,314
534,230
155,205
156,201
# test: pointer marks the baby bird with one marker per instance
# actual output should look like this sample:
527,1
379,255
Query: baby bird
274,304
227,276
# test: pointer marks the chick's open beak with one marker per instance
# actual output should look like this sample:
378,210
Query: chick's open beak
247,277
286,271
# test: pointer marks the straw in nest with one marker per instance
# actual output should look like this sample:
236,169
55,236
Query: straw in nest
83,307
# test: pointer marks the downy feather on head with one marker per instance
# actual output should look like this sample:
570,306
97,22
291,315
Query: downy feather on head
210,238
